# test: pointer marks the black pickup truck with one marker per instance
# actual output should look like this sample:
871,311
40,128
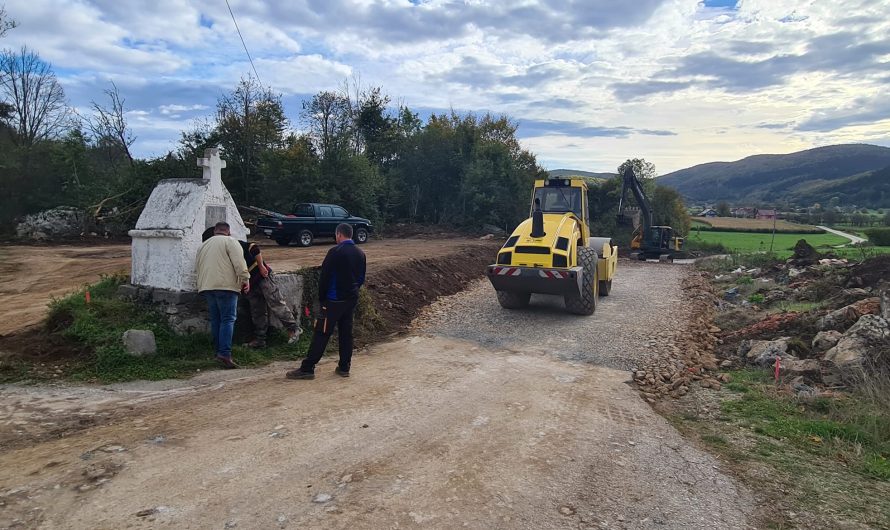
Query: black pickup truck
311,220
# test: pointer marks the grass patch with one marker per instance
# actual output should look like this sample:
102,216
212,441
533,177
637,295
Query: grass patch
747,242
699,245
784,306
829,456
97,327
860,252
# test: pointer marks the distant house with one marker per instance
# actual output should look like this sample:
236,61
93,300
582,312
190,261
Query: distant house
709,212
766,214
745,212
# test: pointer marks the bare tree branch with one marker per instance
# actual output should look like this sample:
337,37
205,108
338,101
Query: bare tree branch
109,124
28,84
6,23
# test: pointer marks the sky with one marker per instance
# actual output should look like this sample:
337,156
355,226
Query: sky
590,83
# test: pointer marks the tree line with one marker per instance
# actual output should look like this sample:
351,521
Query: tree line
351,147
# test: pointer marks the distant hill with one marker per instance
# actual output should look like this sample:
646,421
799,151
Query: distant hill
856,174
578,173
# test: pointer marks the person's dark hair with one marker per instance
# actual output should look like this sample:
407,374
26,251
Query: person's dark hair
345,230
221,227
208,234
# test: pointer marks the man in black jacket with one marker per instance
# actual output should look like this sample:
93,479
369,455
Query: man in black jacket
342,274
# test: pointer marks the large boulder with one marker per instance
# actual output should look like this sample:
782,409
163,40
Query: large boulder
809,369
60,222
825,340
862,345
843,318
139,342
765,352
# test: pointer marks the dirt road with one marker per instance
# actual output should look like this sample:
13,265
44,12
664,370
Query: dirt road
30,276
480,418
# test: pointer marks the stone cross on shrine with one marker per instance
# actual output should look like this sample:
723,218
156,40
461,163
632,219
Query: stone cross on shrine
213,166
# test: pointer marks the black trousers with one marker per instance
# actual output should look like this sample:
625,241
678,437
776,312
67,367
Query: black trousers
339,314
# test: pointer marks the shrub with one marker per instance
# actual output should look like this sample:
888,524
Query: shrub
703,246
879,236
756,298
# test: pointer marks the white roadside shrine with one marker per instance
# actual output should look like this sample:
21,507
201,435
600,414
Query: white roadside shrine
168,233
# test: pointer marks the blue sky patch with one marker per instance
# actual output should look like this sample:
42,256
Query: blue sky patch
722,4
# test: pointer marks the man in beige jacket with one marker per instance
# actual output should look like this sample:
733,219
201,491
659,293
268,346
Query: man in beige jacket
222,273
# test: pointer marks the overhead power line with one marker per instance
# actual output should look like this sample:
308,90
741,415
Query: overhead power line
243,43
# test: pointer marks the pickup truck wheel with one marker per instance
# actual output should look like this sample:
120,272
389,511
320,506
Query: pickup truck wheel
512,300
305,238
361,235
283,241
585,302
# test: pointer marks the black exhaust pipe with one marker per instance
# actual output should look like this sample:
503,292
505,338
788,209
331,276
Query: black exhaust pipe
538,220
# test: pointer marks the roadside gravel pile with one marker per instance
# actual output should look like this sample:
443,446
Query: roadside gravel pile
685,356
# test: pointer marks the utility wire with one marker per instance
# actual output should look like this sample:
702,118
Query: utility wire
243,43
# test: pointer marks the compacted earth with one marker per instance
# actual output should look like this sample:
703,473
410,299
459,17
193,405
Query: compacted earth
477,417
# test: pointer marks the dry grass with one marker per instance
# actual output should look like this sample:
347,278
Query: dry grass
736,223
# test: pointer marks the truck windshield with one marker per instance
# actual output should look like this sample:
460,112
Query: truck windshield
559,200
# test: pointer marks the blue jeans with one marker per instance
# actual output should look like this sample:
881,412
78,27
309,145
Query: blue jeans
223,306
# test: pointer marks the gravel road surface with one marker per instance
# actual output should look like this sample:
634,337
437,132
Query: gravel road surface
480,418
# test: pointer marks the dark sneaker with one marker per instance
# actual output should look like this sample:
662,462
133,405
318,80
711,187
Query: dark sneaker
226,362
256,344
341,373
299,374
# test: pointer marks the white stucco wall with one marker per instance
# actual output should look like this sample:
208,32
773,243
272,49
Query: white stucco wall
168,233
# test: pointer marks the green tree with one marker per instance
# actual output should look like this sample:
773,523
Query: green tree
645,172
723,209
643,169
34,113
249,122
328,117
857,219
830,216
886,219
669,210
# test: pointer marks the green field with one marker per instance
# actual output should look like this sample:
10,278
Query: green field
744,242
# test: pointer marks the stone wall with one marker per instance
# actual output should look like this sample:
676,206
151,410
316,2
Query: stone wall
186,311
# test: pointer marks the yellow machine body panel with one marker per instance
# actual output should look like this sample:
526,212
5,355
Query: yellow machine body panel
557,248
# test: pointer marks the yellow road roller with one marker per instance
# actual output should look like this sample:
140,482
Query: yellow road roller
552,252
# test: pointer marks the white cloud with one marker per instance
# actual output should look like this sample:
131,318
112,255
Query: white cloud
176,109
764,77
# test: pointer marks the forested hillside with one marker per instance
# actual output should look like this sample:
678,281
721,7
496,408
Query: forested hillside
853,173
